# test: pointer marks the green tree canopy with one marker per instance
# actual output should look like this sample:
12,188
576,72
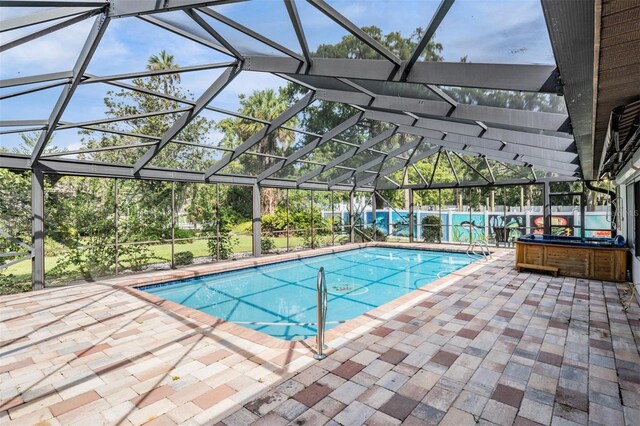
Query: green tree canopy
264,105
351,47
124,102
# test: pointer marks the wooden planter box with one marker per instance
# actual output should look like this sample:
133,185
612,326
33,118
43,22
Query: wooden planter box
600,263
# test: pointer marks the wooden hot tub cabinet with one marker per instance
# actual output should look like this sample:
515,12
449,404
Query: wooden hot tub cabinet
600,263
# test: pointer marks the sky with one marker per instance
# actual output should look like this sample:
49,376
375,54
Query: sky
489,31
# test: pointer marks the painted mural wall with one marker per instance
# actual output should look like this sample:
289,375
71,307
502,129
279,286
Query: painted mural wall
460,227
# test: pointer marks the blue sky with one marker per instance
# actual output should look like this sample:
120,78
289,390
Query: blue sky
484,30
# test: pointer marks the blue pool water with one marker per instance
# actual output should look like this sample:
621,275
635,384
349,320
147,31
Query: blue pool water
285,293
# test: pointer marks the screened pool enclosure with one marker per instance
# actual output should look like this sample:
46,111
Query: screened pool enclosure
141,134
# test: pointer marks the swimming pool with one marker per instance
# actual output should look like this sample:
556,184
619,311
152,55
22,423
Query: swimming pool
277,297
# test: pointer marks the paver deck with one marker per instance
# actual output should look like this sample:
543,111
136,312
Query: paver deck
486,345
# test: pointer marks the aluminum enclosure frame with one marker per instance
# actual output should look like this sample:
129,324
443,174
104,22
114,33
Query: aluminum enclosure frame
539,140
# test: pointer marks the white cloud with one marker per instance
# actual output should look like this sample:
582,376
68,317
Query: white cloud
57,51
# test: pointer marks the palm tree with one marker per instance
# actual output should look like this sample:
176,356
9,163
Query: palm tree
265,105
164,61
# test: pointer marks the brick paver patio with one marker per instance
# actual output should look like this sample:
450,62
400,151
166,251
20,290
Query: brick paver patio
486,345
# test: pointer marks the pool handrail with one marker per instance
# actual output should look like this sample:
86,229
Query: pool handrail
482,243
322,314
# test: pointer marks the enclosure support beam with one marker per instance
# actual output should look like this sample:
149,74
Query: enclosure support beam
517,77
333,218
297,155
48,30
414,159
249,32
186,34
256,221
173,225
312,222
122,8
217,222
213,33
349,154
411,221
48,15
439,215
374,226
37,229
352,222
546,209
339,19
381,159
437,18
126,76
583,205
261,134
287,195
297,26
90,46
104,170
116,212
216,87
488,136
504,212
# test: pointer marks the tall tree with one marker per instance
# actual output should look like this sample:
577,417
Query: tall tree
123,103
29,141
265,105
164,61
351,47
324,116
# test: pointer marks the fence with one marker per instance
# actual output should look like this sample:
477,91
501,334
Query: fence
463,226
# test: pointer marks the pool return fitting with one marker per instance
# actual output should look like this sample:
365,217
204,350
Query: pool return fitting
322,314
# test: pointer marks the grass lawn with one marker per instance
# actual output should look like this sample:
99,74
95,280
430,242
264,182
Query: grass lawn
160,253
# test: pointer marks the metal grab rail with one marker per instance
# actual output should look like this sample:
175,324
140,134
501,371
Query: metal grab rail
322,314
480,242
485,252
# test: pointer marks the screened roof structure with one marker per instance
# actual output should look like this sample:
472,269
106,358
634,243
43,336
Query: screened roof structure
412,109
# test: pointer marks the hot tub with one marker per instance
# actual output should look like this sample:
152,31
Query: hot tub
596,258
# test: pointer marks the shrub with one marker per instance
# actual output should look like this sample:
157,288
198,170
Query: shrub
245,227
268,224
136,256
299,223
95,257
9,284
238,201
431,229
271,223
185,235
267,244
309,240
224,243
184,258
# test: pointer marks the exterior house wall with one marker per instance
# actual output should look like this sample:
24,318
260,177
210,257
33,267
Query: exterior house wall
626,211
